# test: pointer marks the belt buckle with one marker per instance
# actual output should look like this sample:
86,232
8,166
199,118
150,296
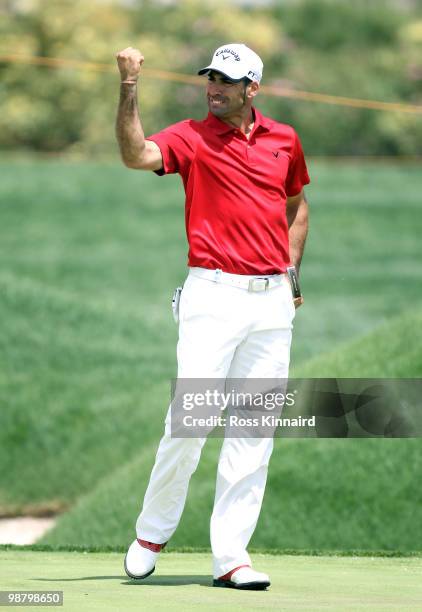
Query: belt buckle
258,284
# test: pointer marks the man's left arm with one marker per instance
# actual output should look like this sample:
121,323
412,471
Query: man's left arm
297,220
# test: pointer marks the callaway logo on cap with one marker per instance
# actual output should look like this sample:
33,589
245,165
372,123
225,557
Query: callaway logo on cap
236,61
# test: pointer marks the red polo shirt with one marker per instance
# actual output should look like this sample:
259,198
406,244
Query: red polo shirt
236,190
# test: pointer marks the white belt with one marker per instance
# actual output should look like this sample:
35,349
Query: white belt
252,283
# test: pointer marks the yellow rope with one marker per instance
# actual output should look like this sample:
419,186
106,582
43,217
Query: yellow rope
269,90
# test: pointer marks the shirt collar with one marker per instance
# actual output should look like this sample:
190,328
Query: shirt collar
261,122
220,127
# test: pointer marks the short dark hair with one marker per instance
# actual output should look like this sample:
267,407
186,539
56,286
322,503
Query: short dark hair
245,80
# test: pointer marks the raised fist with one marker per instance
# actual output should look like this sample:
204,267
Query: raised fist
129,61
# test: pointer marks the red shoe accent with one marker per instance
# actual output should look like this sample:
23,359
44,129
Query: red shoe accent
231,572
150,545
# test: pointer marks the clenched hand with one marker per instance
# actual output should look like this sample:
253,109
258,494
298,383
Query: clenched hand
129,62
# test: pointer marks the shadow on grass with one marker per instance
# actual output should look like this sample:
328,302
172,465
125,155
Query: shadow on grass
156,581
171,581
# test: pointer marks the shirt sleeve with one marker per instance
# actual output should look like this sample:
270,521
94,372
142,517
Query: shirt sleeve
297,175
177,148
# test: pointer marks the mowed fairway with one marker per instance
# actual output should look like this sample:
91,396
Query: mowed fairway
90,255
91,252
95,581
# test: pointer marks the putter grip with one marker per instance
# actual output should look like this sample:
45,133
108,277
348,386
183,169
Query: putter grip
294,281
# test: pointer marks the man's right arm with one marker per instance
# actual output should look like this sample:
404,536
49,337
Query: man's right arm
136,152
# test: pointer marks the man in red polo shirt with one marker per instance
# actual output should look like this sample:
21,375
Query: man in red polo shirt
246,220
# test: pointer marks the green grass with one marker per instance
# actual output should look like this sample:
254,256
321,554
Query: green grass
183,582
391,350
321,494
90,255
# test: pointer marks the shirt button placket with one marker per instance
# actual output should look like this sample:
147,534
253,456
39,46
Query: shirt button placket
248,150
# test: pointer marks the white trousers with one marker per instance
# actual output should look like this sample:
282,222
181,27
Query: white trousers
224,332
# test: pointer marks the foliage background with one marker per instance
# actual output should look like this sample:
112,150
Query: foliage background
359,49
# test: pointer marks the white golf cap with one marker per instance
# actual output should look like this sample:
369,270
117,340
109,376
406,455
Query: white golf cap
236,61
